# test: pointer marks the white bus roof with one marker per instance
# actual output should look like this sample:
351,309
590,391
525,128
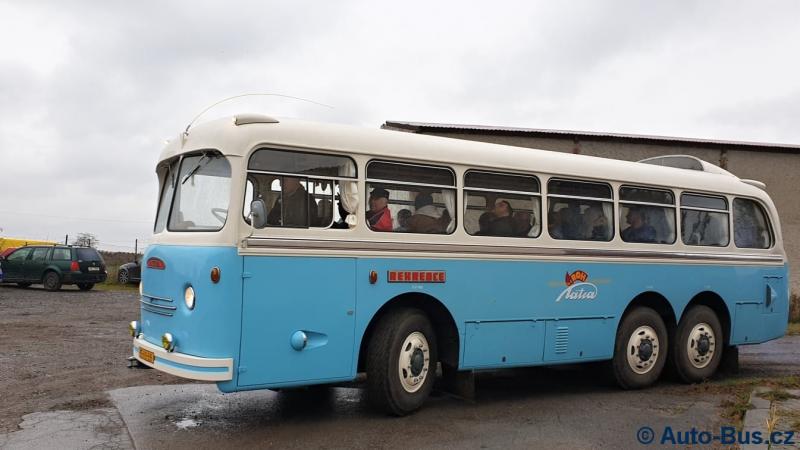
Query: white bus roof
238,140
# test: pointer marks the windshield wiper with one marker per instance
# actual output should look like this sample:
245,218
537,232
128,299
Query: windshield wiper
195,169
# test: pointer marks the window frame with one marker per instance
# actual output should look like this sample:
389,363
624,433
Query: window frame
310,151
367,181
612,200
767,217
465,188
673,206
727,211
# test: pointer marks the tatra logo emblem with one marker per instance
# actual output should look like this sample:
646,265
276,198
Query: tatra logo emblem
578,287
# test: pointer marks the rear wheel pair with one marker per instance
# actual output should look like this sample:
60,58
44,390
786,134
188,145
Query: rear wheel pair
642,348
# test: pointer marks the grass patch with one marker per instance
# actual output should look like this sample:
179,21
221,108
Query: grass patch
107,286
794,308
794,329
776,395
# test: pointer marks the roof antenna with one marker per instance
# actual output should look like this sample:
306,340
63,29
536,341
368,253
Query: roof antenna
186,131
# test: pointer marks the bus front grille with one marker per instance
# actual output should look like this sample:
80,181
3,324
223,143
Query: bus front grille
149,303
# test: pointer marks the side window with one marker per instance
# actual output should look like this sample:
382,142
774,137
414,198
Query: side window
39,254
750,225
704,220
19,255
301,189
408,198
579,210
502,205
646,215
62,254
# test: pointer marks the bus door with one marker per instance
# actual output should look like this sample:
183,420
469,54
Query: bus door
298,318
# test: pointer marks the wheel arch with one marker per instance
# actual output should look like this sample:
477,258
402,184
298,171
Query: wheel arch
714,301
659,303
447,335
51,268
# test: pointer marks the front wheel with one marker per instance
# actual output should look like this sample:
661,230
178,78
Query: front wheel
401,362
52,282
697,352
123,277
640,350
85,286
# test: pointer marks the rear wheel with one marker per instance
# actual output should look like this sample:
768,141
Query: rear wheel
697,352
85,286
401,362
51,282
123,277
640,350
24,285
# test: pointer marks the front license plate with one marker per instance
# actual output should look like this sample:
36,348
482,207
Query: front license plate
94,269
147,355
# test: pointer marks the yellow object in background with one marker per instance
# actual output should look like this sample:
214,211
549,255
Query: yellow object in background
18,242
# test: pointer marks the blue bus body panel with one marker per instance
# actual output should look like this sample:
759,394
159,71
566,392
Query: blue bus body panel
212,329
508,313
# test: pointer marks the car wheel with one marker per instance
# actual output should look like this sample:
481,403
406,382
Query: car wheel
401,362
85,286
699,345
52,282
24,285
123,277
640,350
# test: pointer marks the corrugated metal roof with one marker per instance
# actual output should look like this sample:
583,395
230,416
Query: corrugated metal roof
542,132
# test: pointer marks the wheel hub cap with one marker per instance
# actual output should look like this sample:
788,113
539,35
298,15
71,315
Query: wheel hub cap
414,362
643,349
701,345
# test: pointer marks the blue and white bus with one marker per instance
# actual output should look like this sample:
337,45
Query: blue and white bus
288,253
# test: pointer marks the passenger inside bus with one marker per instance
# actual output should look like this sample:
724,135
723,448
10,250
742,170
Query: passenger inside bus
402,220
427,218
638,229
379,217
524,222
294,207
596,225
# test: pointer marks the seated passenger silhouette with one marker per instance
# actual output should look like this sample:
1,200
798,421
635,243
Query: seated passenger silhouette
638,230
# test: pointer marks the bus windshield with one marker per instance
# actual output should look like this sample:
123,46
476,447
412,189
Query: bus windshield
202,193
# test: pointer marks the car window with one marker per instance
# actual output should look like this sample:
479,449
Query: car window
19,255
61,254
39,254
88,254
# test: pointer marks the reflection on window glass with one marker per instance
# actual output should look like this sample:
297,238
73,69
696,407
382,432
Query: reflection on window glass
647,224
579,189
202,194
410,209
302,163
634,194
62,254
39,254
702,201
167,188
750,226
408,173
19,255
704,228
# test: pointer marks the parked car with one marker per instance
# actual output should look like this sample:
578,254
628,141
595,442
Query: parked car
54,266
130,272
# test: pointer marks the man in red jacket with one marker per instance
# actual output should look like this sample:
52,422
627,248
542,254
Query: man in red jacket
379,217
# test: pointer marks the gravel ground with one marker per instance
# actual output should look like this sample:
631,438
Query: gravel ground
64,350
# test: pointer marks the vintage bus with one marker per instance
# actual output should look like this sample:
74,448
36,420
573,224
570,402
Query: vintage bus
288,253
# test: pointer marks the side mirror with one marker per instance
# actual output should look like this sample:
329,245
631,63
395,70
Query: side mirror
258,213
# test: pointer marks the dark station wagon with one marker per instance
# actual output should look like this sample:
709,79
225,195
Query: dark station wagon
53,266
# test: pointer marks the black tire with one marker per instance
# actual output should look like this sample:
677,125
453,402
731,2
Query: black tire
51,281
24,285
385,388
696,356
123,277
649,352
85,286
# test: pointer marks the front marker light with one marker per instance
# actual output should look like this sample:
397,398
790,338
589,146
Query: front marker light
168,342
188,297
133,328
141,289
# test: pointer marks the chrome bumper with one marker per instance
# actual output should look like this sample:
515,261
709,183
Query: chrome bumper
186,366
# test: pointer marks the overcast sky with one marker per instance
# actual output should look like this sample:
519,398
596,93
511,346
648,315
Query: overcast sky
90,91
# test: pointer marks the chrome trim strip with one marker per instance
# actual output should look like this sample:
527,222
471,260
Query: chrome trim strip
418,247
154,305
145,294
155,311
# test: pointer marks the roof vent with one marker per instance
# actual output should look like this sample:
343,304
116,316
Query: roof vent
244,119
759,184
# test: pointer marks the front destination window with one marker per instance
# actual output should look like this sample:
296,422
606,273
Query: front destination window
202,193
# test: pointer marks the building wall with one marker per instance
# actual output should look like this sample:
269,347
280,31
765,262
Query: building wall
780,171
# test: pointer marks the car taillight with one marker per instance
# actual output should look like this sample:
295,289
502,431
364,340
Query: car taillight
155,263
74,266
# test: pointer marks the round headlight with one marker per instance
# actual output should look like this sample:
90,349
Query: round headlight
188,297
168,342
133,328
